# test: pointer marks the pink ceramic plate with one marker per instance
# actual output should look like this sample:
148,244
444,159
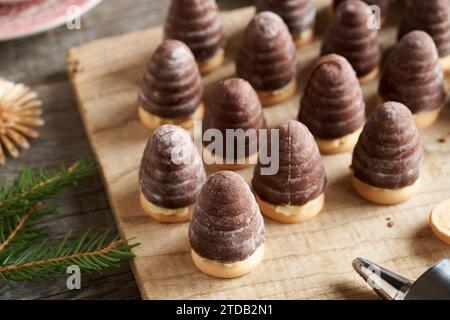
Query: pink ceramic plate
23,18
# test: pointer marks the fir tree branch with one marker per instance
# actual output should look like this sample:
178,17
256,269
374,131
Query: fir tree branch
26,234
32,264
29,188
22,258
89,252
19,226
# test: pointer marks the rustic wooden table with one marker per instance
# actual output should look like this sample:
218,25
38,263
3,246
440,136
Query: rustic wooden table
39,61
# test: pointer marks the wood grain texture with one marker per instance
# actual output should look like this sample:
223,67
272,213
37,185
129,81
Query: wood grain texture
305,261
39,61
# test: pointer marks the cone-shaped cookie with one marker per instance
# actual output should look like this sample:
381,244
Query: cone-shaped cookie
349,36
295,193
226,232
382,4
234,106
299,16
387,159
333,105
171,175
198,24
267,58
412,76
171,91
433,17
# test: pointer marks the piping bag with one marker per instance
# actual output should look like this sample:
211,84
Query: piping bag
434,284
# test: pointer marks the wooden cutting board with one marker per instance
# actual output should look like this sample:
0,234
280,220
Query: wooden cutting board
304,261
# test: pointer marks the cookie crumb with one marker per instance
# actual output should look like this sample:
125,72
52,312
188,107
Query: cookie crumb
441,140
389,222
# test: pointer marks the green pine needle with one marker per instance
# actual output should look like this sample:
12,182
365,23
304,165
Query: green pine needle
90,251
29,188
24,255
27,233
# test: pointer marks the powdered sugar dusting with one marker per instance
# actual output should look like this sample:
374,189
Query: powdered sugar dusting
268,24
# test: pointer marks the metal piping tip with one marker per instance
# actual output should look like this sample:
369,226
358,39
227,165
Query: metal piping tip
387,284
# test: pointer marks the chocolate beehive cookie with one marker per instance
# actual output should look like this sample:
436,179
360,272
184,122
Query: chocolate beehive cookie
198,24
387,159
226,232
267,58
295,193
171,175
299,16
333,105
412,76
234,107
382,4
433,17
171,91
349,36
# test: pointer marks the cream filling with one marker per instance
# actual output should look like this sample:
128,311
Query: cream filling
208,65
382,195
425,119
290,211
210,158
156,121
290,86
254,256
336,143
305,35
181,212
225,265
445,63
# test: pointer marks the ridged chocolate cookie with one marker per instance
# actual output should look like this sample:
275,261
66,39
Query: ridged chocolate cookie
301,175
171,173
197,23
267,57
332,105
388,154
413,76
382,4
226,225
235,106
431,16
299,15
172,86
348,35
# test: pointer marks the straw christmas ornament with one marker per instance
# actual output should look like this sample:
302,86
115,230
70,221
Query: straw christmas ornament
20,110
